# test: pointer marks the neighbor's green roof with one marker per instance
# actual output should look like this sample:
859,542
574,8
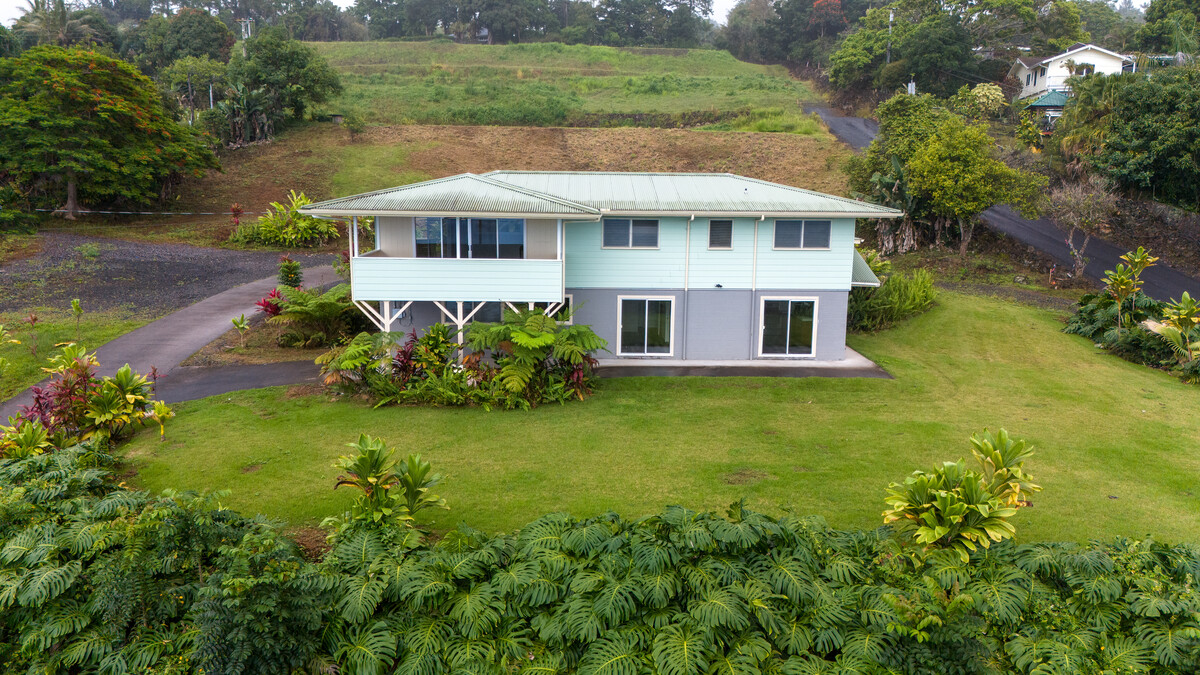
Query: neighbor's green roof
862,274
1051,99
585,194
462,194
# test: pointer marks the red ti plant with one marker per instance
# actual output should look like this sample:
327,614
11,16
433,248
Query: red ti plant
62,405
236,211
270,304
404,366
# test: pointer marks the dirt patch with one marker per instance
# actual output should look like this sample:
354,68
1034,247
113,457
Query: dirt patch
311,541
745,477
303,391
1168,232
1021,295
790,159
262,346
253,468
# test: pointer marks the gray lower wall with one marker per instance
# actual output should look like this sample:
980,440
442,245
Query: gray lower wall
710,324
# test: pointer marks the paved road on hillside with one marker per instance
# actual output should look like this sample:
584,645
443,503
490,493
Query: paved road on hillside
1162,282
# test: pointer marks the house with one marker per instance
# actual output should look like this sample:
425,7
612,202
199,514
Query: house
691,266
1040,74
1048,108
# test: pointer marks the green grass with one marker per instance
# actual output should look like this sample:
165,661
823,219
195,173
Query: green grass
545,84
55,326
363,168
771,120
1114,441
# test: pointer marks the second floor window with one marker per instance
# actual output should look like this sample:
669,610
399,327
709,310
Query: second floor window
469,237
720,234
626,233
800,234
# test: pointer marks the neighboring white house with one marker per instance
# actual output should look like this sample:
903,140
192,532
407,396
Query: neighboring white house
1040,74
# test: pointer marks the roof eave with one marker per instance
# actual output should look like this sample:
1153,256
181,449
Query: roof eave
865,284
348,213
756,214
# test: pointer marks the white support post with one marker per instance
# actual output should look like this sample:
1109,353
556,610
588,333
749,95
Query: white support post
354,237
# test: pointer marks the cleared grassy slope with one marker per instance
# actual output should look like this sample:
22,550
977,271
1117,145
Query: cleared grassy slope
546,84
1116,442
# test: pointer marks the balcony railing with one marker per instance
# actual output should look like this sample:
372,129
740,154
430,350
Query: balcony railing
378,277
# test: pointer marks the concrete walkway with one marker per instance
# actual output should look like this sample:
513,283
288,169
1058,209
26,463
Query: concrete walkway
854,365
1162,282
167,342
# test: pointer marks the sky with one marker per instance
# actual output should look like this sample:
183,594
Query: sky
11,9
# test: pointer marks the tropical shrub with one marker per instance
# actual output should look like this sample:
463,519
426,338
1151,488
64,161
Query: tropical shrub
284,225
1128,323
959,509
290,274
270,304
316,319
77,405
898,297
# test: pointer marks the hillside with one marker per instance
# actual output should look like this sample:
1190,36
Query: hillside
547,84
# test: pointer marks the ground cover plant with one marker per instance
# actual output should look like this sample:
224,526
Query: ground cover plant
96,576
547,84
815,445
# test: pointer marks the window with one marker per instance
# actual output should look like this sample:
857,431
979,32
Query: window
624,233
435,237
1028,79
469,237
563,311
720,234
788,327
645,325
802,234
491,312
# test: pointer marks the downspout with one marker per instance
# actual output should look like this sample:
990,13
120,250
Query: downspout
755,333
687,257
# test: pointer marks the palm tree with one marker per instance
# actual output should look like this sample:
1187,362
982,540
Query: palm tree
52,24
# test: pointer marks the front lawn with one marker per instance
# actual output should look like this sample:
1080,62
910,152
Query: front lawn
1116,442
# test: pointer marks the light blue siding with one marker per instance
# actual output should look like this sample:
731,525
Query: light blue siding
816,270
590,265
456,280
731,268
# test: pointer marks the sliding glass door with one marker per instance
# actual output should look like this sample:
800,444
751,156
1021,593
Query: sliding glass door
645,325
788,326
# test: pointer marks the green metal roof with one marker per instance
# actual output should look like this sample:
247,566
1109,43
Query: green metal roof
862,274
1051,99
587,195
688,193
462,194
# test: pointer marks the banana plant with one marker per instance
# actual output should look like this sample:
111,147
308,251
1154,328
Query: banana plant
242,325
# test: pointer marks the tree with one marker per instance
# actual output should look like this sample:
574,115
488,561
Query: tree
9,44
158,42
746,33
51,22
96,132
1153,140
958,176
190,74
291,75
1059,26
1082,207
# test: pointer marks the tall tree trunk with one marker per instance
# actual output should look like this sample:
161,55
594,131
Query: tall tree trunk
966,228
71,208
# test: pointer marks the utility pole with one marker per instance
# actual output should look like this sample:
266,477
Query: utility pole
247,30
891,18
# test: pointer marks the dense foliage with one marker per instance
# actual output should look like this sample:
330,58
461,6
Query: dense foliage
95,577
898,297
284,225
314,318
1128,323
534,359
80,127
940,169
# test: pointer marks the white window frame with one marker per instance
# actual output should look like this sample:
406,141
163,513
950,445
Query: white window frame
458,244
803,224
731,226
631,247
762,326
620,319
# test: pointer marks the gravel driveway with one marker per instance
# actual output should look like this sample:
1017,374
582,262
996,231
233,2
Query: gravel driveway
111,273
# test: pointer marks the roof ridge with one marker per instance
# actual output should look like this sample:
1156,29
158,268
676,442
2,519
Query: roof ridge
394,188
533,193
